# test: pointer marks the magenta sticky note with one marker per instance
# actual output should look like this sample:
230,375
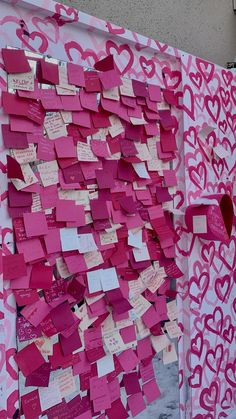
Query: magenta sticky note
39,377
13,266
66,210
131,383
15,61
65,147
82,118
154,92
31,404
25,296
14,169
62,316
117,410
18,198
100,148
50,100
13,139
46,149
50,72
88,100
71,343
29,359
128,333
140,88
35,224
41,276
110,79
99,209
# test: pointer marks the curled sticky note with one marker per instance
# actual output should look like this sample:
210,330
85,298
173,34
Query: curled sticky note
211,220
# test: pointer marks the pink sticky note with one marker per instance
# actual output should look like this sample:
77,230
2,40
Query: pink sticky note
71,103
75,74
170,177
154,92
144,348
13,266
136,404
29,359
15,61
140,88
147,372
82,118
52,241
36,312
66,210
41,276
128,360
106,64
50,100
65,147
46,149
32,249
128,333
151,391
100,148
35,224
98,387
99,209
110,79
88,100
18,198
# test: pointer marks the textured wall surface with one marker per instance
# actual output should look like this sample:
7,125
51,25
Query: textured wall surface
206,28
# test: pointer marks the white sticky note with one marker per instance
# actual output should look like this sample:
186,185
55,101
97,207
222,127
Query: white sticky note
86,243
94,280
141,170
109,279
105,365
169,354
141,254
49,396
135,239
69,239
199,224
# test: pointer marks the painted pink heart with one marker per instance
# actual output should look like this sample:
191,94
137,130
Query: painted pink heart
190,137
213,106
116,30
231,119
214,322
199,100
218,167
227,399
214,358
148,66
123,55
198,175
228,334
197,344
84,55
51,29
161,47
233,93
178,199
188,101
209,396
198,287
211,139
227,76
230,373
196,79
65,14
172,78
234,305
205,68
195,380
35,41
225,96
227,253
222,287
208,252
223,126
186,242
181,378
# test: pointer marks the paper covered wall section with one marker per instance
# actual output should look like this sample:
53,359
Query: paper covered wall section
90,194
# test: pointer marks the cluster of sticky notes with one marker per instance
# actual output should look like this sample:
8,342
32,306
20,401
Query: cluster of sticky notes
90,195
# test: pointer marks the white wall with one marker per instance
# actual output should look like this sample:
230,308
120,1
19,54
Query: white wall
206,28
